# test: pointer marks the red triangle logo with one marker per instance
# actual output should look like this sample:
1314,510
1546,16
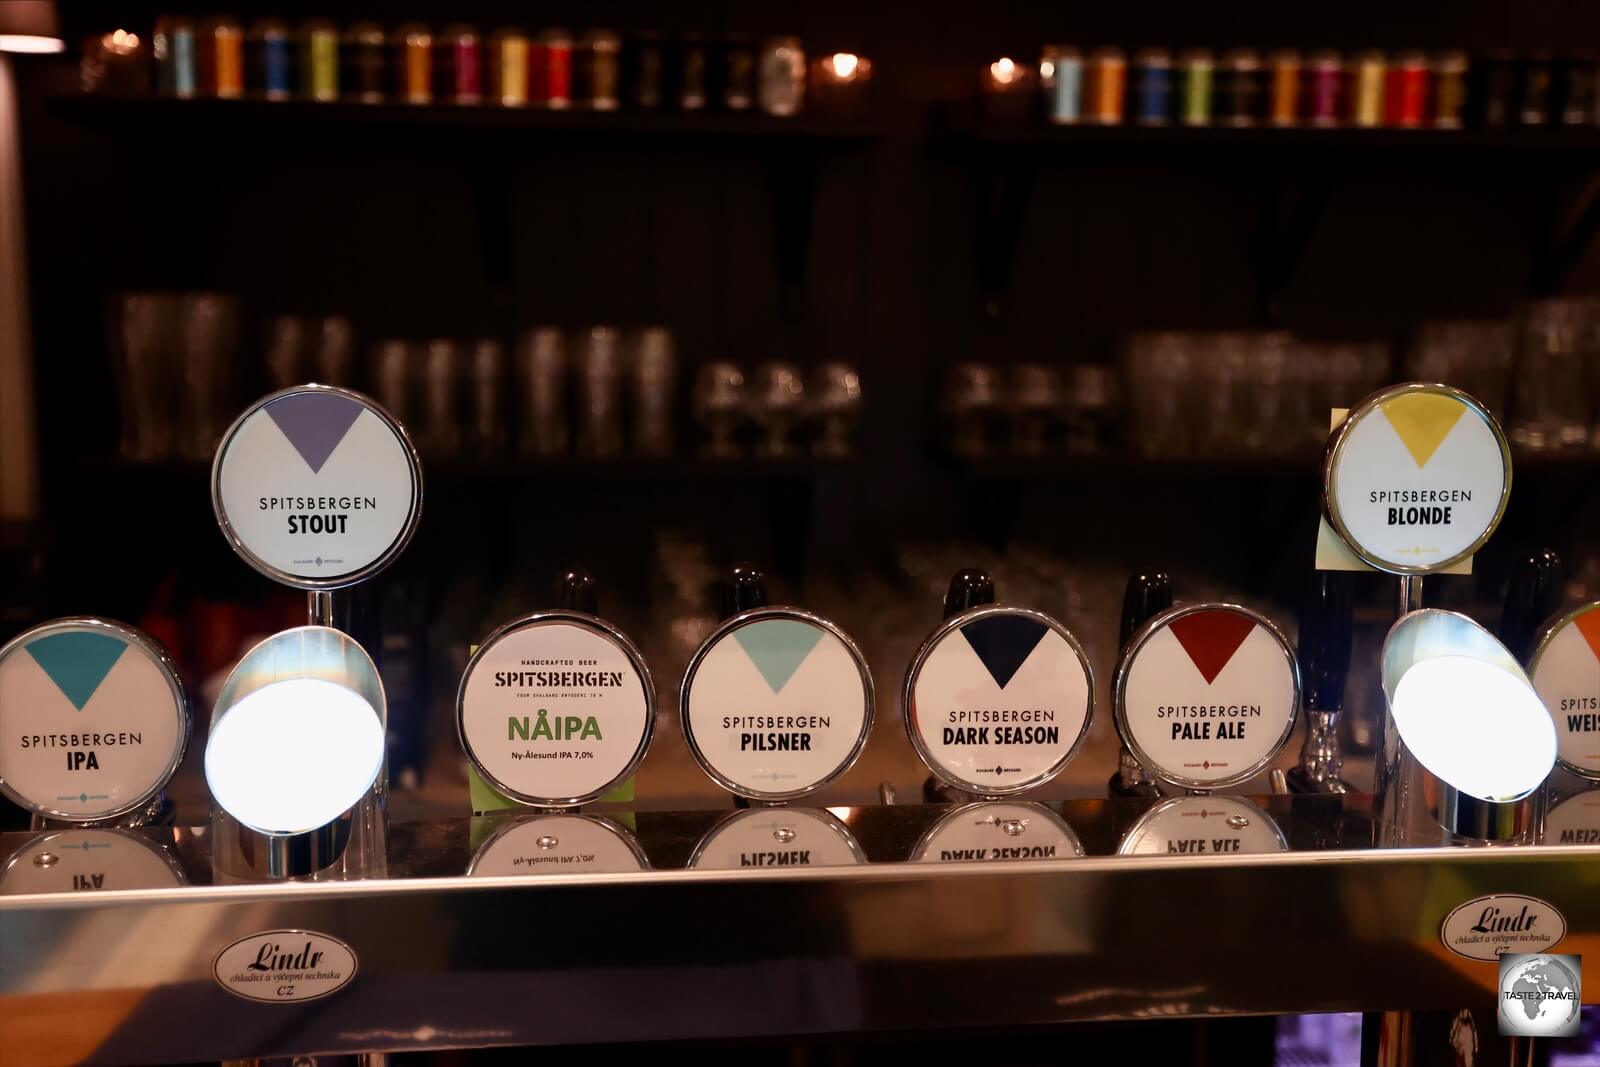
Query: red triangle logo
1211,638
1588,625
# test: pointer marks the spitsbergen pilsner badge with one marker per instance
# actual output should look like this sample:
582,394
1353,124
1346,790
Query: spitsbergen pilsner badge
1565,670
1416,478
998,699
776,703
317,487
93,720
556,708
1205,695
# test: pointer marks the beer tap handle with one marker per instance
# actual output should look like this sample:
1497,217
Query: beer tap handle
745,590
576,590
969,588
1327,631
1533,596
1148,594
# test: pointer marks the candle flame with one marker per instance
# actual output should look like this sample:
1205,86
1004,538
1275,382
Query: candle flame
121,42
1003,70
845,64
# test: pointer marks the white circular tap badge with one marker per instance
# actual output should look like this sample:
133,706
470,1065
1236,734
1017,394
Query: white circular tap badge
93,720
998,700
776,704
555,709
1416,478
777,837
317,487
1203,826
558,844
1205,695
1565,670
997,831
72,861
285,966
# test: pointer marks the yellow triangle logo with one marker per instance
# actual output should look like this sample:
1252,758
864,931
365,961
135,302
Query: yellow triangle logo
1422,421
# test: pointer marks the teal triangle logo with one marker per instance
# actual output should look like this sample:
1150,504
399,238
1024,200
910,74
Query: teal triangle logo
777,647
77,661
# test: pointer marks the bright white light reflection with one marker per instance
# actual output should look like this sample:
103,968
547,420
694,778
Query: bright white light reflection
30,44
294,755
1476,726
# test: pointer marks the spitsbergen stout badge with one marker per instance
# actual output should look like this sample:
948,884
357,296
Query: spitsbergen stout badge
1416,478
776,704
998,700
556,708
317,487
1565,670
1205,695
93,719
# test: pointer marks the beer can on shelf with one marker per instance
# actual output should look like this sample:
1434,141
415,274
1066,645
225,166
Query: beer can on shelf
781,76
1240,95
319,60
1153,95
222,58
1324,79
1287,75
1368,72
1105,86
645,63
737,85
1406,93
1449,96
460,59
1061,80
174,49
365,64
692,70
508,68
597,71
550,70
271,59
1495,89
1197,71
1538,89
412,48
1579,103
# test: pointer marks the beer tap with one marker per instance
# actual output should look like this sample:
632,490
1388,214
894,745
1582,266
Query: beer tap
1148,594
1325,638
969,588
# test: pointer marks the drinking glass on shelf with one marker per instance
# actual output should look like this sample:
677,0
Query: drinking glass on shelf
208,338
1089,407
1551,402
655,377
391,375
834,400
719,407
542,392
1158,373
1034,400
486,427
285,341
971,402
144,359
776,398
333,350
600,392
441,378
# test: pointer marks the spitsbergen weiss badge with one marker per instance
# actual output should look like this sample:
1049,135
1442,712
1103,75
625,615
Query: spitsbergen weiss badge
556,708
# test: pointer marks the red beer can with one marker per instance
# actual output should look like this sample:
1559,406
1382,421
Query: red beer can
550,70
1406,95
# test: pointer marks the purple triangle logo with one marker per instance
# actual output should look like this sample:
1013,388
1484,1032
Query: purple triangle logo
314,423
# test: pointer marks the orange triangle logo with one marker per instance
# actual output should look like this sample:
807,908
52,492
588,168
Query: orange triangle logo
1211,638
1422,421
1588,625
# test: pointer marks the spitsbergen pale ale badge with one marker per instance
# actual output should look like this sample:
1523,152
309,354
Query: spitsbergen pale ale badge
556,708
1203,826
1565,670
285,966
1416,478
1205,695
93,720
317,487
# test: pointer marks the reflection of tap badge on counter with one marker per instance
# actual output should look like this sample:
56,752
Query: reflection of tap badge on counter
1203,826
989,832
777,702
1205,695
557,707
1572,820
558,844
69,861
998,699
1416,478
786,837
93,719
1565,670
317,487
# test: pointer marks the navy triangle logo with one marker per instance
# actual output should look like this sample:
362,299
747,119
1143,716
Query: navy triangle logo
1003,643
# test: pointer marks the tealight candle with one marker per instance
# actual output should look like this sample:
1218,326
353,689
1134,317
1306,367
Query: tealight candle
839,82
1007,88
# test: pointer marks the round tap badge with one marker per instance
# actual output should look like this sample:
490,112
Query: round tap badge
1203,826
1005,832
777,837
317,487
93,720
1574,820
556,708
998,700
776,704
1205,695
558,844
95,860
1416,478
1565,670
